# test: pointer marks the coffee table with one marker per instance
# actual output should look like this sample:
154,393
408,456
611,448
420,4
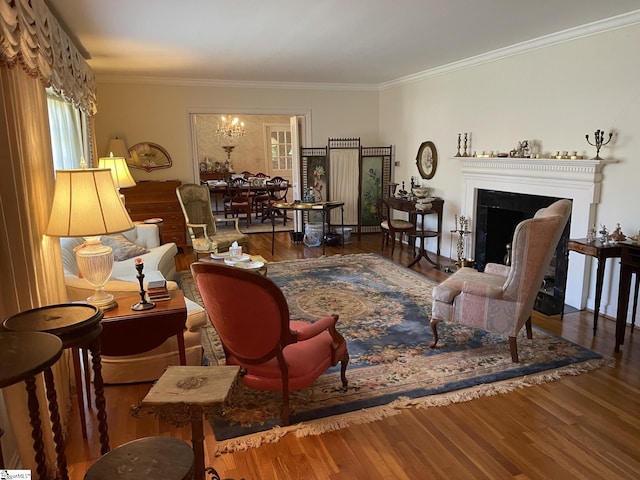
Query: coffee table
254,258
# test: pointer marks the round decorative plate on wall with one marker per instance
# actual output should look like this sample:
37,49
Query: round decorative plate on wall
427,160
148,156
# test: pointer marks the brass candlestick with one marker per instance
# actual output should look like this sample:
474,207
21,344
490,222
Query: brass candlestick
599,142
462,230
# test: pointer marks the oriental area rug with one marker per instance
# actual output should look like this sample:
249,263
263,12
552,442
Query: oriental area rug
384,311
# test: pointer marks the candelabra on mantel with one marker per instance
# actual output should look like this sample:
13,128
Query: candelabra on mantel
461,229
599,142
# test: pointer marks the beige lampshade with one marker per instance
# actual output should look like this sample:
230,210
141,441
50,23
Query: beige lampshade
86,203
119,171
117,148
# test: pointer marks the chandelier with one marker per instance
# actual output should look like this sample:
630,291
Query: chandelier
230,128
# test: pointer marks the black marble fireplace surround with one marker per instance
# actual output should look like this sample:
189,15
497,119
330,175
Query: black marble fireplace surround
497,215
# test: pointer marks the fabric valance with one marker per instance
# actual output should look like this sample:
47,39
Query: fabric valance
31,36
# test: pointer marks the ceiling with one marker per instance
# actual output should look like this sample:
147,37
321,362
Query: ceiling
354,42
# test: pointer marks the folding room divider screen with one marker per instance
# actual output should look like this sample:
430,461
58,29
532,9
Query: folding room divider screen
346,171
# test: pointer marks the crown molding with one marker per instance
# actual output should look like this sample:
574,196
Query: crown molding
196,82
593,28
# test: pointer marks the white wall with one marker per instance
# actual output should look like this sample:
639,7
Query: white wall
555,95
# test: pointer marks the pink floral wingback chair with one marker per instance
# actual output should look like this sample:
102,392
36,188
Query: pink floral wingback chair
251,316
501,298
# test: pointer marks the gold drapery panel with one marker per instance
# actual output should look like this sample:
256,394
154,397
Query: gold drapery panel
31,36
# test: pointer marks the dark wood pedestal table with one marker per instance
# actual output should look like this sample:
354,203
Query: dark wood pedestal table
78,326
23,355
183,395
157,458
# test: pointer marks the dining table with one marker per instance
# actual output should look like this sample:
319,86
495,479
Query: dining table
218,190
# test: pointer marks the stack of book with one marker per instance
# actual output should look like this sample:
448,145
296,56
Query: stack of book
157,291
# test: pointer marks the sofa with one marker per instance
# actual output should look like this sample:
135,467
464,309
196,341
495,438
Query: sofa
159,263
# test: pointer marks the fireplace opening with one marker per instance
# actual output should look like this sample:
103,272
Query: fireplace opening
497,215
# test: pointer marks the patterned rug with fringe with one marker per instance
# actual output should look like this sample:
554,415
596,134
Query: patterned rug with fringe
384,310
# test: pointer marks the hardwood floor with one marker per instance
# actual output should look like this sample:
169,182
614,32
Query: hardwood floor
587,426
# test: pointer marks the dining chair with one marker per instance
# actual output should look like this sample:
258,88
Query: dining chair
382,214
278,189
397,225
238,199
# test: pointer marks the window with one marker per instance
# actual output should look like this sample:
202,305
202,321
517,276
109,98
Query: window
66,135
280,144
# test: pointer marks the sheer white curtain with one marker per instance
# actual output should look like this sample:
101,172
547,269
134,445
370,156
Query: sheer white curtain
343,183
66,134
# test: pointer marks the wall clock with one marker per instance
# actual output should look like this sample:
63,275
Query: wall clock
148,156
427,160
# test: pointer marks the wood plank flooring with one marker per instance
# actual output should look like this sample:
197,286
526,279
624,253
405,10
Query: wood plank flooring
582,427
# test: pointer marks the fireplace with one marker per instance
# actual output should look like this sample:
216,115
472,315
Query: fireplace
577,180
497,215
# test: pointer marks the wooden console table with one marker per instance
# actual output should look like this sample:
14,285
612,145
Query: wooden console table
630,264
409,206
600,252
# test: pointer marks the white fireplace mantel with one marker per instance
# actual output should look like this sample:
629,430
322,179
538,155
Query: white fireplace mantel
579,180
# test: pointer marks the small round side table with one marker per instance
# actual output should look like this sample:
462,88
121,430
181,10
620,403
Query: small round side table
160,458
23,355
78,326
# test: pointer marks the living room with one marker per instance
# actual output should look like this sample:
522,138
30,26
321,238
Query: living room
554,90
554,94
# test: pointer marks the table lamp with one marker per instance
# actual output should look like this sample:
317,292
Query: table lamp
86,204
119,171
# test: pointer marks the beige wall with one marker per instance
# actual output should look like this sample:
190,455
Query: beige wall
160,114
554,95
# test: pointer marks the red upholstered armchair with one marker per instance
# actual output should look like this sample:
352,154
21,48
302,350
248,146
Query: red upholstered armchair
251,316
501,298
